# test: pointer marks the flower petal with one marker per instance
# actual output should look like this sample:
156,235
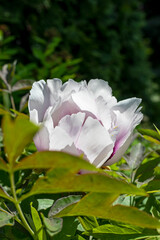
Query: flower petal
39,98
85,101
73,124
101,88
93,139
120,152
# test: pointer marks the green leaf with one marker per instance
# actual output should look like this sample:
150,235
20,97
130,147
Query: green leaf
88,223
108,228
151,139
100,205
113,232
68,230
43,204
62,180
50,159
3,165
5,195
53,225
153,186
17,134
146,170
62,203
37,223
150,135
6,218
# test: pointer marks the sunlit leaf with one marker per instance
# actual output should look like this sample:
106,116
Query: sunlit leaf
100,205
50,159
37,223
88,223
127,232
62,180
6,218
108,228
17,134
4,194
3,165
150,135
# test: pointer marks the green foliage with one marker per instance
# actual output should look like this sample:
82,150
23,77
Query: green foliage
101,206
107,36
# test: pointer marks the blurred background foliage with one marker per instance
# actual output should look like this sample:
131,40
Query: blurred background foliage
117,41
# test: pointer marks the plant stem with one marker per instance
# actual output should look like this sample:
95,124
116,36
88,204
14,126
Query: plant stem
18,207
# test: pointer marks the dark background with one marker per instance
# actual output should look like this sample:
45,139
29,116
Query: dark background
117,41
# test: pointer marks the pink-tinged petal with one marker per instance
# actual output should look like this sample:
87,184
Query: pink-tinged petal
93,139
39,98
119,153
85,101
72,124
101,88
127,119
63,109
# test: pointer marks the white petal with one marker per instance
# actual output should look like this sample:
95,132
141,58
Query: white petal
72,124
63,109
85,101
117,156
71,87
101,88
39,98
54,86
59,139
42,138
93,139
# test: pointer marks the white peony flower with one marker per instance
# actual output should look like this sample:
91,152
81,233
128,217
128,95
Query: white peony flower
80,118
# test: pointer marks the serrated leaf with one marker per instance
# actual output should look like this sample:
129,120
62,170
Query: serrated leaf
37,223
6,219
17,134
62,180
49,159
100,205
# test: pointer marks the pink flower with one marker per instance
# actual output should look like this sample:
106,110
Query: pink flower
81,118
